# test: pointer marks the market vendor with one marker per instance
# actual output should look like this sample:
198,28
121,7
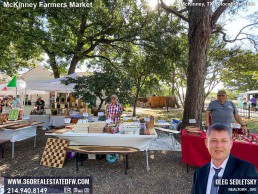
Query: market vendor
6,105
40,104
114,110
223,111
16,103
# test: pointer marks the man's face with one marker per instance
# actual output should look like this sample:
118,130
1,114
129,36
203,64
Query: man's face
222,98
219,145
113,99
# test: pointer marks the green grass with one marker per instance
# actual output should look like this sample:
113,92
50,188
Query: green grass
162,114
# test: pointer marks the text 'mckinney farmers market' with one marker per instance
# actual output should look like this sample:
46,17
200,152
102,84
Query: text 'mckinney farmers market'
19,5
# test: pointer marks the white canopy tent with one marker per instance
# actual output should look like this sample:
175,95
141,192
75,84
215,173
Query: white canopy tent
21,89
39,88
52,85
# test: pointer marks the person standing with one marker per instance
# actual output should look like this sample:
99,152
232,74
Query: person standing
16,103
223,111
6,105
244,102
253,102
114,110
223,165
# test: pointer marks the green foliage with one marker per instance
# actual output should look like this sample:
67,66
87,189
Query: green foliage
71,35
240,72
102,85
17,50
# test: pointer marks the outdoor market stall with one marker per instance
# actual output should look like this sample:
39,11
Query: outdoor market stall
128,136
195,153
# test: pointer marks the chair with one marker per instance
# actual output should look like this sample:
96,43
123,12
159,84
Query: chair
169,132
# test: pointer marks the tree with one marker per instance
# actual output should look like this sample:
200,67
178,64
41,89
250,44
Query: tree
145,58
241,71
202,19
218,55
69,36
101,85
15,52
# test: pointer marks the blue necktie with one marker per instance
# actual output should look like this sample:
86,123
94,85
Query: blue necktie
214,188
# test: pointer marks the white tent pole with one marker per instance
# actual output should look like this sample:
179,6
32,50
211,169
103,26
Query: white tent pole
24,97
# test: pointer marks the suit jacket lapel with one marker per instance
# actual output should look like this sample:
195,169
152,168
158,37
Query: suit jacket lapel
228,170
204,178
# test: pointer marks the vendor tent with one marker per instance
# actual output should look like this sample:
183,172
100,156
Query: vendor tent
21,89
52,85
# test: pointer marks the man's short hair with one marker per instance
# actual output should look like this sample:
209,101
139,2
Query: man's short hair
219,127
114,96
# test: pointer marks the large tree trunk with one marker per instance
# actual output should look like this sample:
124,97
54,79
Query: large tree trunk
198,39
53,64
73,64
101,103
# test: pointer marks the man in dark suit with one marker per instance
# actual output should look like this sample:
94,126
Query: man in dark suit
219,143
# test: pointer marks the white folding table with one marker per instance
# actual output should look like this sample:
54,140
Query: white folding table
140,142
19,134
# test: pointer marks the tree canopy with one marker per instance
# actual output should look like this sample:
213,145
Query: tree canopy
101,85
202,19
178,46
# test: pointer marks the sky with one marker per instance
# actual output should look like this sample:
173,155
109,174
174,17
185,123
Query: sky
233,27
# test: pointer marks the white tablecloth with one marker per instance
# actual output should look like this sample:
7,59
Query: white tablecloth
56,121
18,134
41,118
140,142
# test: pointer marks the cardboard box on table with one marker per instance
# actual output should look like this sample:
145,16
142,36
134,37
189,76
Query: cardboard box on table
97,127
81,128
